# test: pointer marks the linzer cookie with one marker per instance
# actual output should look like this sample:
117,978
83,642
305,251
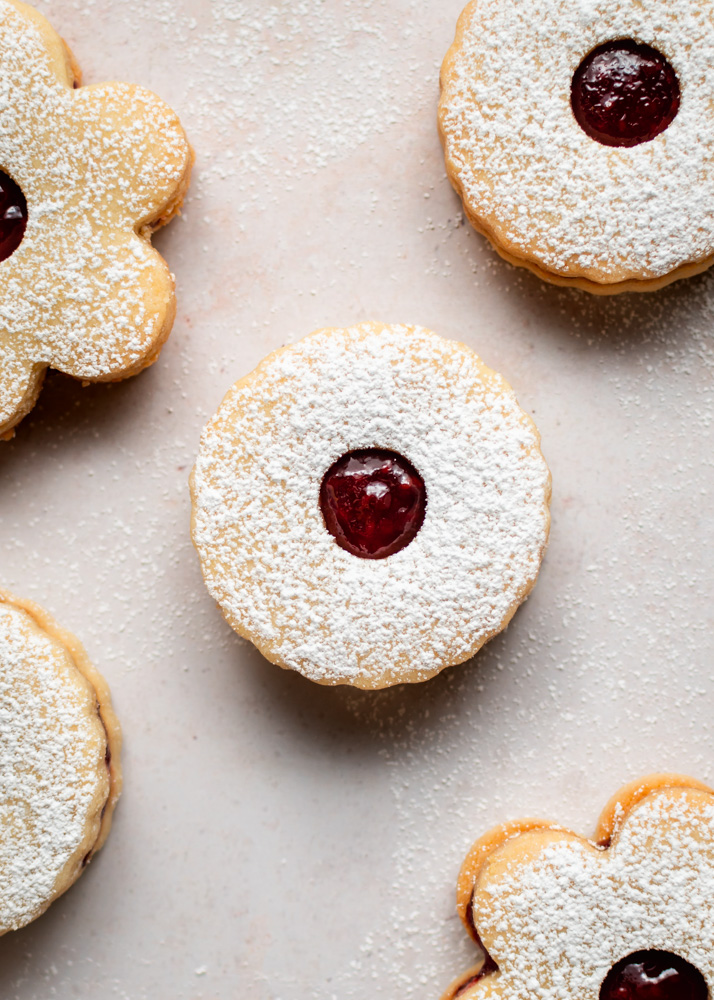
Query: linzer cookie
625,916
370,505
578,136
86,175
59,761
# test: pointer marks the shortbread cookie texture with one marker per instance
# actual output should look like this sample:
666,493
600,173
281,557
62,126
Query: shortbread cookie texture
59,761
370,505
577,135
628,915
98,169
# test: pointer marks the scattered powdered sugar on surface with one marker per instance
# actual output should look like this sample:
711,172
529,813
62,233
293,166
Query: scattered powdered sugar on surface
50,755
528,169
290,88
267,555
83,292
557,921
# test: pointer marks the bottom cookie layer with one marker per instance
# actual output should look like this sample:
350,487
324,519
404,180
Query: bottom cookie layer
583,283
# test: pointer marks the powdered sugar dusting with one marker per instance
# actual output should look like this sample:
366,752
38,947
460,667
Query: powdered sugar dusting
83,292
277,572
52,777
557,920
548,191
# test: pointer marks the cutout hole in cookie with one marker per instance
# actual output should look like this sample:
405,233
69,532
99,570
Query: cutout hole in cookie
625,93
654,975
373,502
13,216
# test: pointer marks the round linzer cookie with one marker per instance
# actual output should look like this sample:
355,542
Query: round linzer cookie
625,916
370,505
578,136
86,175
59,761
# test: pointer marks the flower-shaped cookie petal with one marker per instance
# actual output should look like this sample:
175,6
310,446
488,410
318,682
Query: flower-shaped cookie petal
555,912
101,167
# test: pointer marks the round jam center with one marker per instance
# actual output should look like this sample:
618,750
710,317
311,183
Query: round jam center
654,975
13,216
624,93
373,502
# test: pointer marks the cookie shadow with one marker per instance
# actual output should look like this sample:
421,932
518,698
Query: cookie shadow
343,719
621,322
69,411
51,942
658,319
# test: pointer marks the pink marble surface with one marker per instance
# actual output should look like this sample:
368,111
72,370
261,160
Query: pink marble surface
278,840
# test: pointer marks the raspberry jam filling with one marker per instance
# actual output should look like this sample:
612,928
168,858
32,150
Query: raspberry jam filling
465,987
654,975
373,502
13,216
624,93
488,967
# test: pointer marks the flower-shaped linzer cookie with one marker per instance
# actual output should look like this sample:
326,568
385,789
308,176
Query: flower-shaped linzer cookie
626,916
86,175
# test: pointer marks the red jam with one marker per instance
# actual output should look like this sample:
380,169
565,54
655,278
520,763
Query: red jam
624,93
488,967
13,216
465,987
654,975
373,502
